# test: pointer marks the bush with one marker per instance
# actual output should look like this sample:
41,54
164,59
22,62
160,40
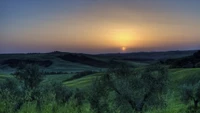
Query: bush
11,94
79,96
98,96
62,93
191,93
30,75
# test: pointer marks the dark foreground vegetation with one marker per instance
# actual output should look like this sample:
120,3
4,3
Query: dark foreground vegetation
120,89
152,88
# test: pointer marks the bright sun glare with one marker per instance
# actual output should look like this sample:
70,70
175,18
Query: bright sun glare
122,37
123,48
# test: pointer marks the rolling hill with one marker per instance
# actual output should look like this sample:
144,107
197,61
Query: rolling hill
59,62
191,61
77,62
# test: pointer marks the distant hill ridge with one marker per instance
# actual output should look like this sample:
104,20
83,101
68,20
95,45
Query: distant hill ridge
58,61
185,62
149,56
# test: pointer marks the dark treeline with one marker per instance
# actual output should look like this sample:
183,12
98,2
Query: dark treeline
192,61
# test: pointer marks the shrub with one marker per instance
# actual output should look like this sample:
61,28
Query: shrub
62,93
11,94
191,93
30,75
97,96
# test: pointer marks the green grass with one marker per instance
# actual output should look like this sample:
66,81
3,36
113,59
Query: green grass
56,78
3,77
184,75
181,74
83,81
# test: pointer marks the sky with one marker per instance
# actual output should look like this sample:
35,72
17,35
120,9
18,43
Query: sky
98,26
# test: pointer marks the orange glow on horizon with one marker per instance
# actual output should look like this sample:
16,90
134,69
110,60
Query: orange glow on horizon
121,36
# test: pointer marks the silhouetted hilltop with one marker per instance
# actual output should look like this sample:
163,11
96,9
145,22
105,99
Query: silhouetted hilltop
149,56
185,62
15,62
83,59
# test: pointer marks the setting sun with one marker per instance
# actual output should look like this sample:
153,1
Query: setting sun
123,48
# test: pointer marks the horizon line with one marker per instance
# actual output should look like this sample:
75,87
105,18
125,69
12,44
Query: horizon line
100,53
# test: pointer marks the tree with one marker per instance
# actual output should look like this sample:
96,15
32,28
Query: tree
62,93
191,93
10,95
139,90
97,96
29,74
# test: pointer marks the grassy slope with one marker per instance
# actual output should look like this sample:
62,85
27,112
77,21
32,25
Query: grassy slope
58,65
177,78
83,81
3,77
66,66
62,65
56,78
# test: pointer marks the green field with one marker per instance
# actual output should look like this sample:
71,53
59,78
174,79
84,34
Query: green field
83,81
3,77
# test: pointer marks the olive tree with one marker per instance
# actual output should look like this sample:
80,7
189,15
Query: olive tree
138,89
191,93
97,96
30,75
62,93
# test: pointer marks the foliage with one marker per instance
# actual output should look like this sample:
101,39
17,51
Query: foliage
131,91
97,96
62,93
138,90
111,92
191,93
30,75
